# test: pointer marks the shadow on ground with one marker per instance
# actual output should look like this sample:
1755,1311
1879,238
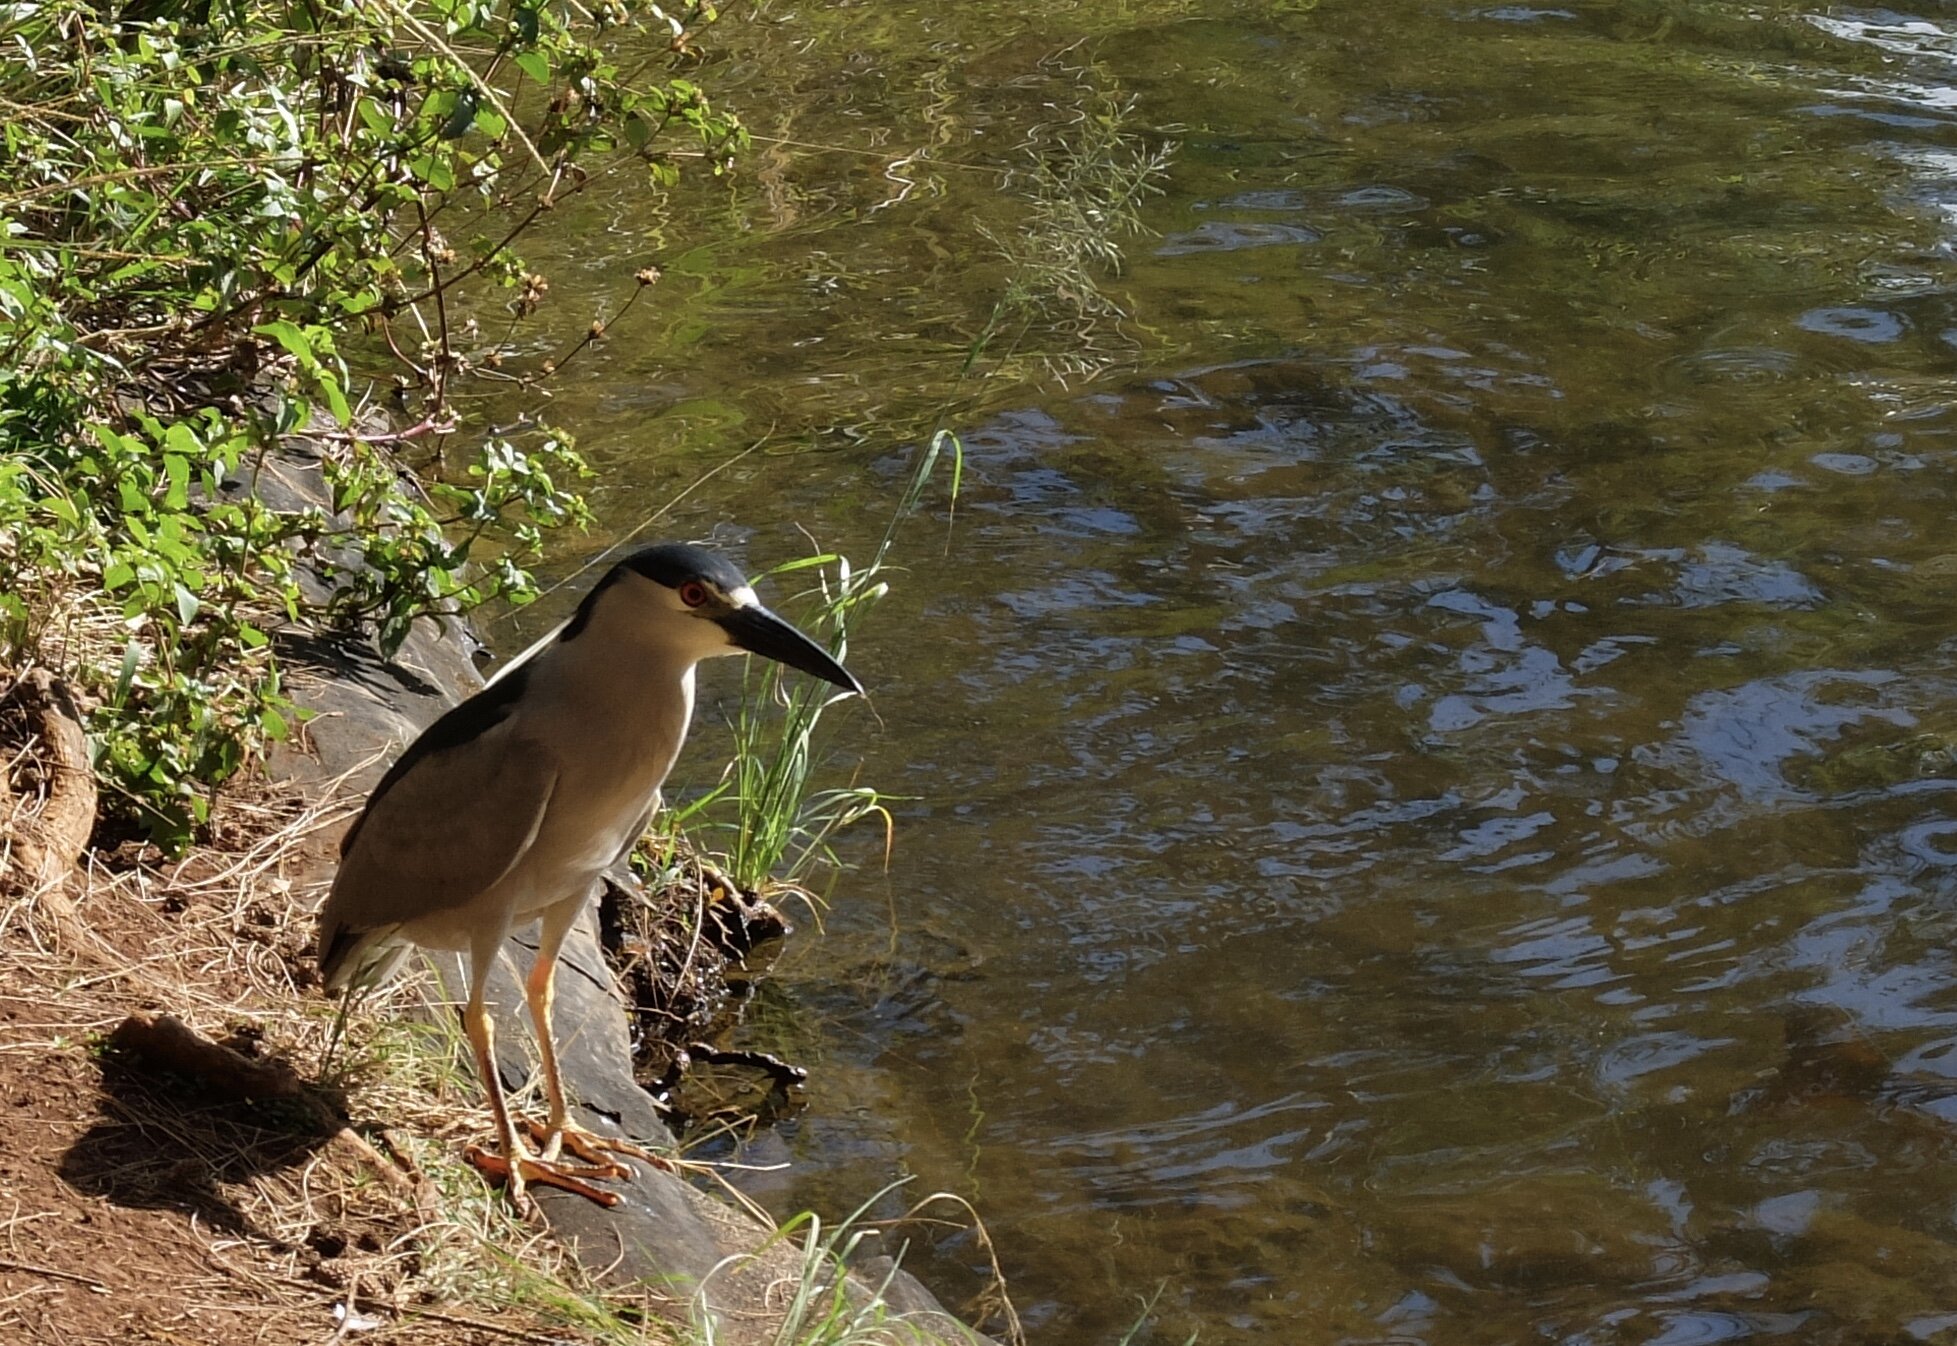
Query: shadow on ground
165,1142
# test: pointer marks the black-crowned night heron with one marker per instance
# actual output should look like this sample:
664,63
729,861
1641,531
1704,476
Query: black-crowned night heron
509,808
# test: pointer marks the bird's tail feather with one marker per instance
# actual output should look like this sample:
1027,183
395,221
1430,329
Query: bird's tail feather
361,959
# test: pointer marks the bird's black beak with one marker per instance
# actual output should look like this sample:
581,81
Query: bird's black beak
759,631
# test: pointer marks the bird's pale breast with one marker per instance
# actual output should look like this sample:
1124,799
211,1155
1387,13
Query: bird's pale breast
604,790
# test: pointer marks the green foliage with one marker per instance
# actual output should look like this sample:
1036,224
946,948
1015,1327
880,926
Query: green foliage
1082,184
779,829
219,224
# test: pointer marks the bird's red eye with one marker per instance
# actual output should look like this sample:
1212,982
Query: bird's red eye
693,593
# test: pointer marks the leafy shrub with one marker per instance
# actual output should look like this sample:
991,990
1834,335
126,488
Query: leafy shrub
204,205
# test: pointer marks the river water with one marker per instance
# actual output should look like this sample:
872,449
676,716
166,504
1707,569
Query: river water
1430,739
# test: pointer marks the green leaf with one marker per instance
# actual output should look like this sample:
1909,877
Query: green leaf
291,336
804,563
177,469
377,118
132,655
336,401
435,170
179,438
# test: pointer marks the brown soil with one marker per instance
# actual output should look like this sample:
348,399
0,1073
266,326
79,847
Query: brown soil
138,1204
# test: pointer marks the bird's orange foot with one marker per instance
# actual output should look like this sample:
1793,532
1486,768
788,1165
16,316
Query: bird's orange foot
528,1170
595,1150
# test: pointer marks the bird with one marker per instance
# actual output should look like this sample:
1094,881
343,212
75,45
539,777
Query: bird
510,807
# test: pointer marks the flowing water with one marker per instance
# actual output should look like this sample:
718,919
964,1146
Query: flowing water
1430,766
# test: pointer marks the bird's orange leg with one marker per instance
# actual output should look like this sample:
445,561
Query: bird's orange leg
557,1134
515,1165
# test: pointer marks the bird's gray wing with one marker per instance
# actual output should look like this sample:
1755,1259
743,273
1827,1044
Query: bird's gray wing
639,828
442,832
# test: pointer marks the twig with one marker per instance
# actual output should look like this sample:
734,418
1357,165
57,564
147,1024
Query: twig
8,1264
142,171
428,425
349,1315
457,1320
543,203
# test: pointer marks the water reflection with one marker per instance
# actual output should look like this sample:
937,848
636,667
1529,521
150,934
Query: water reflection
1431,793
1225,236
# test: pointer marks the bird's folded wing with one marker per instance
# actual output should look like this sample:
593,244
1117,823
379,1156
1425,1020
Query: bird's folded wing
445,832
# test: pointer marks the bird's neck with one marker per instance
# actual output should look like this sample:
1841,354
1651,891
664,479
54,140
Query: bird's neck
625,687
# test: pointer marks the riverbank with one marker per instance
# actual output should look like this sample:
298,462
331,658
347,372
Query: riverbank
166,1082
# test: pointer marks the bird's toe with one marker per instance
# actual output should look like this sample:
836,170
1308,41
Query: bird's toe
527,1171
599,1152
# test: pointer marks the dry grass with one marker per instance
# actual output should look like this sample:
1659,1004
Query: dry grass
138,1206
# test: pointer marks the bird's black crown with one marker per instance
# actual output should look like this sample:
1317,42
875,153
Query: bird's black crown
669,563
674,563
